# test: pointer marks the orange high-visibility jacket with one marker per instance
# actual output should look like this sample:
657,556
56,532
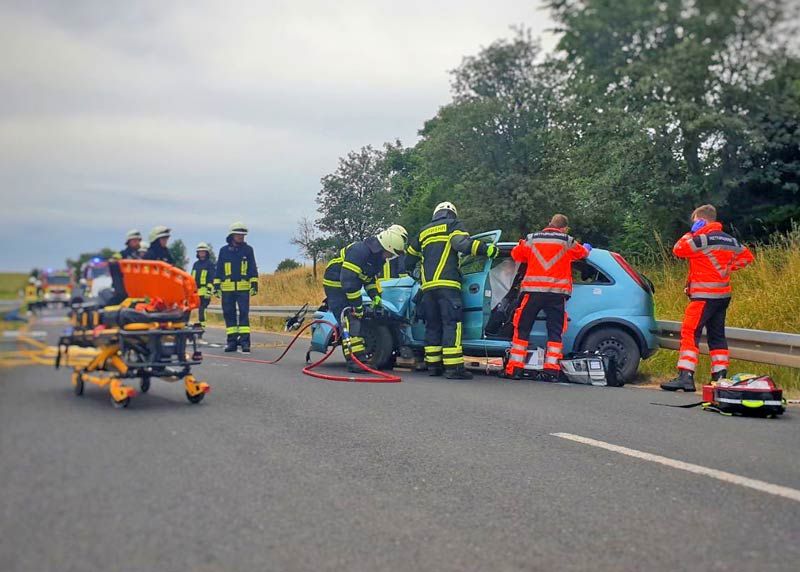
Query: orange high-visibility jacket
549,254
712,256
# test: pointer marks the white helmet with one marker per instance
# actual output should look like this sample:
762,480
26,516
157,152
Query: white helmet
32,280
393,240
445,206
144,246
159,232
203,246
238,228
133,234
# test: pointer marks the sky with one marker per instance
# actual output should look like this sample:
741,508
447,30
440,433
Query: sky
193,114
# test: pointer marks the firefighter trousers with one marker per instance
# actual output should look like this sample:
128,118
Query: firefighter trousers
554,307
237,324
708,314
201,311
337,301
442,312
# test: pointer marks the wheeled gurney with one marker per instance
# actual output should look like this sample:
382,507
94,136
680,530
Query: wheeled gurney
140,330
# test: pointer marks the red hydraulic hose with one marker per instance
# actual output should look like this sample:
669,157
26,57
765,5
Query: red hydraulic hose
377,376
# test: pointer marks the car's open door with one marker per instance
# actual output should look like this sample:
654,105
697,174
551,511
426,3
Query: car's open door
474,295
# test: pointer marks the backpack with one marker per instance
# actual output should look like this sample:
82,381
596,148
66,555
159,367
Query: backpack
745,394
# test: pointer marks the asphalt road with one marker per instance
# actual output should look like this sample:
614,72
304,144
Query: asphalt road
277,471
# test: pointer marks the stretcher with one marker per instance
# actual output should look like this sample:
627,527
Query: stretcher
140,330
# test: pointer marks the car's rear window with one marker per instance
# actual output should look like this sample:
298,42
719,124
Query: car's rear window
586,273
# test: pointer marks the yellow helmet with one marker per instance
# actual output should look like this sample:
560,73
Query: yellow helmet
203,246
159,232
238,228
133,234
445,206
393,239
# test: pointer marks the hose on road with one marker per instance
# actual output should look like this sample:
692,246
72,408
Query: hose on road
375,377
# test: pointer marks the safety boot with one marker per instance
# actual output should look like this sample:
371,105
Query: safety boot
457,372
231,346
684,381
245,347
723,374
435,371
353,367
516,374
548,376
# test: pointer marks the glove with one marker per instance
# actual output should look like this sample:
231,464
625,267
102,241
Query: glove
376,301
217,292
587,246
698,224
253,288
358,312
492,251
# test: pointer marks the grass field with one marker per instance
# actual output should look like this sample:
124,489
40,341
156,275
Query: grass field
11,283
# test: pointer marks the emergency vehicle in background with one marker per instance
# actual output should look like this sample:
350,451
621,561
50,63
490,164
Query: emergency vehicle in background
95,277
57,287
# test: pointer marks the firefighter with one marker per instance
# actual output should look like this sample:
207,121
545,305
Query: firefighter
236,280
713,255
203,274
395,267
159,237
143,248
133,242
547,286
31,295
437,247
358,266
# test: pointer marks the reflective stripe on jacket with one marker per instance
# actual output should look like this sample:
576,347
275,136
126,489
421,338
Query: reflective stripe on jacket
203,274
357,266
713,255
549,254
437,246
236,268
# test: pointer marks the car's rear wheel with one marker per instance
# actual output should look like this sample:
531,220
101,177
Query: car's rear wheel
616,343
379,344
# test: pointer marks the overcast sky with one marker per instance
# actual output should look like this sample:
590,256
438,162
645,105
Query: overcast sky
119,114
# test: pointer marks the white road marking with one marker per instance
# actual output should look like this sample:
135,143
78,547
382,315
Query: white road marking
762,486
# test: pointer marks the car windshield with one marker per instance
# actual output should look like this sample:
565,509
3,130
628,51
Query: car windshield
97,271
58,280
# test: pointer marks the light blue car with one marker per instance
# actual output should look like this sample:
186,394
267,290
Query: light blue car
611,310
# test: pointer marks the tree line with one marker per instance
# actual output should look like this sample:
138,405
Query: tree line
643,111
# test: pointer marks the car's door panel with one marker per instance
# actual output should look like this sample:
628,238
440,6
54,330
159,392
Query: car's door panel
474,295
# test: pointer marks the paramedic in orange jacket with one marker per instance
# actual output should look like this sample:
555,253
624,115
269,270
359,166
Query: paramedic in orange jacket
712,256
547,286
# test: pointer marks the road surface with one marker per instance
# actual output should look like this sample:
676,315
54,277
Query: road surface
277,471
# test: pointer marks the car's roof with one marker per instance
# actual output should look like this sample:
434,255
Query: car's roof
510,245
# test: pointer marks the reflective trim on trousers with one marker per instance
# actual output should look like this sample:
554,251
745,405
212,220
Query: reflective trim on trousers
244,329
708,295
441,284
232,330
687,365
433,354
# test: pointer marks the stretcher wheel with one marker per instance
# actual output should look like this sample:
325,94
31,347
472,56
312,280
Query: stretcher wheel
77,383
121,404
144,384
195,399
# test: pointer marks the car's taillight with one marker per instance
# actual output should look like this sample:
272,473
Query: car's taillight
638,278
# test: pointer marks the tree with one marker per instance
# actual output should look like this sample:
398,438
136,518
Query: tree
178,251
355,201
288,264
311,243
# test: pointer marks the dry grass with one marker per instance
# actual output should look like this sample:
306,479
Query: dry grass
290,288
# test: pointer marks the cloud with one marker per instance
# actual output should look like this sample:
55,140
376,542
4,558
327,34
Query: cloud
195,113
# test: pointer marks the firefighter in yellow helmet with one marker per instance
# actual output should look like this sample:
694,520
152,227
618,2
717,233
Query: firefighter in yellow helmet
358,266
31,295
203,274
236,280
437,247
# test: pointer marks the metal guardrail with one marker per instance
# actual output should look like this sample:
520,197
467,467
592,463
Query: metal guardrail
776,348
266,311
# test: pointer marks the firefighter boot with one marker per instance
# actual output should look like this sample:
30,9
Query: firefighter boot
435,370
723,374
231,345
457,372
684,381
245,346
353,367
